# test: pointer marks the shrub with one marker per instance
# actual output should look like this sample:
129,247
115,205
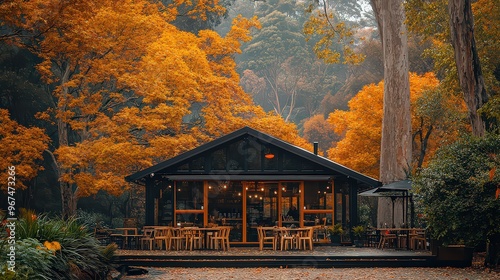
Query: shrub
458,192
75,253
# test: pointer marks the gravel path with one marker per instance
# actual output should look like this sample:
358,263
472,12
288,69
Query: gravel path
315,273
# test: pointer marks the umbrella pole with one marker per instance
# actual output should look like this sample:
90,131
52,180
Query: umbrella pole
393,198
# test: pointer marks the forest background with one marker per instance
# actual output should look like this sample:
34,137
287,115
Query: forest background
95,90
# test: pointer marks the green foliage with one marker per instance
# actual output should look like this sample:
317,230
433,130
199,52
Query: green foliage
336,229
358,231
365,214
457,192
32,261
74,252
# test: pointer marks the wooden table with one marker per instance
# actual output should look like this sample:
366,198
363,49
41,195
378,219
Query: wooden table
127,235
206,233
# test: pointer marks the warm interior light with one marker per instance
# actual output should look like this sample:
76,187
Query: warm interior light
269,155
262,189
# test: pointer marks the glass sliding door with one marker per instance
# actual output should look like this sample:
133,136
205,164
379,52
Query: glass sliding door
261,207
290,206
225,206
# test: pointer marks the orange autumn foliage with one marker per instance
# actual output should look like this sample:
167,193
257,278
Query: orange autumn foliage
21,147
131,88
360,127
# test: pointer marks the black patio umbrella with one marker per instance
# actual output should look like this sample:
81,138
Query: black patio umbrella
393,190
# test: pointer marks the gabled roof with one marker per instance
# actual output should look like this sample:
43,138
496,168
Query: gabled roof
335,168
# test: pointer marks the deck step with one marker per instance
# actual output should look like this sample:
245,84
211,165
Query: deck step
274,261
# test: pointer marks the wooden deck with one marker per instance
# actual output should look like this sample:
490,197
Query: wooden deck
320,257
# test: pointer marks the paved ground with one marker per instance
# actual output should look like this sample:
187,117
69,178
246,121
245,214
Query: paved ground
316,274
472,273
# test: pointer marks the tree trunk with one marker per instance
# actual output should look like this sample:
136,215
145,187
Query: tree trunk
467,61
395,154
68,196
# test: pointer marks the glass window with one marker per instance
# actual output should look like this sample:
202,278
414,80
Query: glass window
184,167
290,206
291,162
225,206
314,219
189,219
189,195
318,195
236,156
165,206
254,152
198,164
219,160
338,207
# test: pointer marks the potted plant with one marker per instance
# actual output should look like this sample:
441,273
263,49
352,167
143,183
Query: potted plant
358,232
335,231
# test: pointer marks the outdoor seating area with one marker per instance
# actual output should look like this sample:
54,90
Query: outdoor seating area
274,238
402,238
171,238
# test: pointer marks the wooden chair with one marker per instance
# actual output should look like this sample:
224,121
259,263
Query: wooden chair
266,236
194,238
162,237
221,238
418,240
177,239
306,238
286,238
387,237
147,238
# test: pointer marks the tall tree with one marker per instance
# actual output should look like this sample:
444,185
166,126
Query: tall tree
396,129
395,155
468,65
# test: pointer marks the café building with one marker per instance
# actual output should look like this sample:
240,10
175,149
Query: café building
247,179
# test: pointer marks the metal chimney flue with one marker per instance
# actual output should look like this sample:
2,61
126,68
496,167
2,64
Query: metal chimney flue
315,148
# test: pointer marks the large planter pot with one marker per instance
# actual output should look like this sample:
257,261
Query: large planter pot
358,243
336,240
455,255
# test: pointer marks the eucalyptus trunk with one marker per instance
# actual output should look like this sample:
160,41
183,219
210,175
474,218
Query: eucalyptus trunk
467,61
395,154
